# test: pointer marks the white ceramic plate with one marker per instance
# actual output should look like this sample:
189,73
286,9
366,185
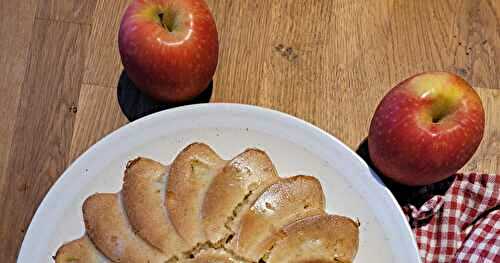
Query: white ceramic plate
295,146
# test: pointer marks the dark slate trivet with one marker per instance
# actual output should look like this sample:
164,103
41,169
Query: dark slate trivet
135,104
414,195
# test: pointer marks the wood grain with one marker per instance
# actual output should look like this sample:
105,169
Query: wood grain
76,11
239,76
103,65
98,114
328,62
314,75
476,53
487,157
44,127
14,49
457,36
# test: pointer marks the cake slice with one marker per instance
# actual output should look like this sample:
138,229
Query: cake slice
203,209
282,203
233,190
323,238
143,199
107,226
191,173
79,251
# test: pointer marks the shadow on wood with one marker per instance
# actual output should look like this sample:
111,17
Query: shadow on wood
135,104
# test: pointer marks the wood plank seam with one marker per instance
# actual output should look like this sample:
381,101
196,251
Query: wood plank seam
101,85
86,130
3,173
43,126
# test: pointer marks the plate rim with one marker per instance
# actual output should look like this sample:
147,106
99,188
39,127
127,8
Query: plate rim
50,196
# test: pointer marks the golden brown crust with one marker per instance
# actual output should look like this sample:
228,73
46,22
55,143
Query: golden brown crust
79,251
190,176
213,256
329,238
321,261
204,209
282,203
235,188
143,199
107,227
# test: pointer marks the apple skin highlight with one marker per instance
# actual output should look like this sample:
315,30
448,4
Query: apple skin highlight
426,128
169,48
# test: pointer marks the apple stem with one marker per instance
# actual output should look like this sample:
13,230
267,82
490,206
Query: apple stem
167,21
436,119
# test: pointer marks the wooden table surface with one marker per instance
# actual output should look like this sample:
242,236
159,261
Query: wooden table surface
326,61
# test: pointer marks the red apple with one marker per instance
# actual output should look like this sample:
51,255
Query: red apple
169,48
426,128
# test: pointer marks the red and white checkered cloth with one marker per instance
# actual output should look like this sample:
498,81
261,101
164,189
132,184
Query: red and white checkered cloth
462,225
